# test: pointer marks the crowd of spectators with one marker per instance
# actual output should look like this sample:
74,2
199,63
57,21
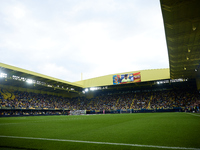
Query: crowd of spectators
29,112
135,100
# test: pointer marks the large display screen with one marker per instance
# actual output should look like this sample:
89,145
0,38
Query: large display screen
127,78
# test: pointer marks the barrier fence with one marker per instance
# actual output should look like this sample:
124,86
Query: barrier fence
9,111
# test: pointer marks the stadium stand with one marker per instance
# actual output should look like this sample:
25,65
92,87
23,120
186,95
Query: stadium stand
169,89
175,100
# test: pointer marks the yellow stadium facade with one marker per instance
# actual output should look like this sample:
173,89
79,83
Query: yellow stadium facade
16,78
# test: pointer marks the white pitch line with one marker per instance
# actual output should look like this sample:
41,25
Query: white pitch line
193,114
103,143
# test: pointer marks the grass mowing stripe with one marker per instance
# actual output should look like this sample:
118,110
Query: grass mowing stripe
93,142
69,119
8,123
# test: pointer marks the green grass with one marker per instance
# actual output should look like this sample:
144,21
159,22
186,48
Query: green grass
159,129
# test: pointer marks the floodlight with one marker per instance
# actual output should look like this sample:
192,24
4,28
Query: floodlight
29,81
92,89
3,75
86,90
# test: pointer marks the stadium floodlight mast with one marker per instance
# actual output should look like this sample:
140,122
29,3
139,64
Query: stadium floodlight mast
29,81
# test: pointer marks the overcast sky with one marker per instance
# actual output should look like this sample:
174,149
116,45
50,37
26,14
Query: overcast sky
65,38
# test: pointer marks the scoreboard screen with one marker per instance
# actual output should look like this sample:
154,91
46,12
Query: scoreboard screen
127,78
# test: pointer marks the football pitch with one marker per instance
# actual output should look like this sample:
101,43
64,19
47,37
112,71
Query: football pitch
140,131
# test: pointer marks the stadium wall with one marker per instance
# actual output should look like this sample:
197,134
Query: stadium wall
146,75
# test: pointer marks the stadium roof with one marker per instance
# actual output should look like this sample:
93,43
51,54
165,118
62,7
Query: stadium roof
182,29
17,74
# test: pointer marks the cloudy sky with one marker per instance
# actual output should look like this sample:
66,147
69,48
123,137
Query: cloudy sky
65,38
